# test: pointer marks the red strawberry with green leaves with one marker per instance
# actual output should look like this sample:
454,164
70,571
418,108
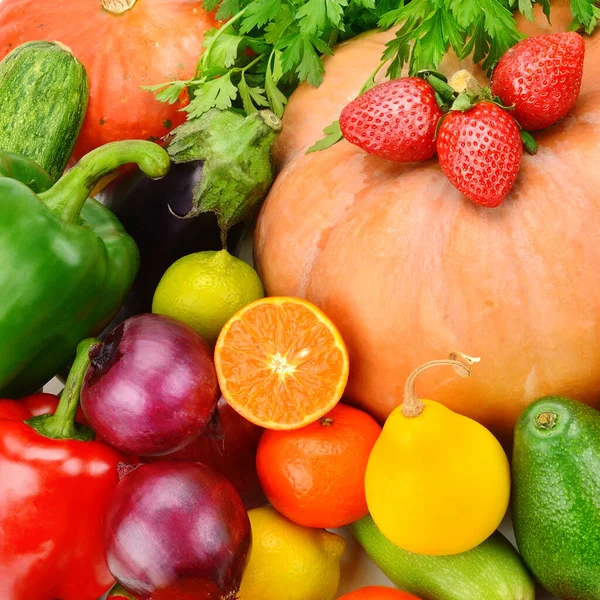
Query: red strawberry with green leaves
541,78
480,152
395,120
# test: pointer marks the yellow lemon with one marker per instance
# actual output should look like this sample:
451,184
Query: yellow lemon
205,290
437,483
289,561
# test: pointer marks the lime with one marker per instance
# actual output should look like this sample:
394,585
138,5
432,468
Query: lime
205,290
290,561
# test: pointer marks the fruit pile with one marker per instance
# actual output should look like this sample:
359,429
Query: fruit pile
207,442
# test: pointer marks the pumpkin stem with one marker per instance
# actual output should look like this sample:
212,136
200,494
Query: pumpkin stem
117,7
412,406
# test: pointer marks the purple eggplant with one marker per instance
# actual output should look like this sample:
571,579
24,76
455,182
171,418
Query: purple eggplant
221,172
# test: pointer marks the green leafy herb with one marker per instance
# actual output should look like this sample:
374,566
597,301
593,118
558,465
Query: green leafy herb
267,47
333,134
585,14
168,92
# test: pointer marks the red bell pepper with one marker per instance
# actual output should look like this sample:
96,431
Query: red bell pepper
55,484
12,410
33,406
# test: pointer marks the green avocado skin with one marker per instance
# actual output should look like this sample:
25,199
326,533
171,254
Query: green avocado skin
556,496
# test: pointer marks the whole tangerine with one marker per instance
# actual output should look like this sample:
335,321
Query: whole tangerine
315,475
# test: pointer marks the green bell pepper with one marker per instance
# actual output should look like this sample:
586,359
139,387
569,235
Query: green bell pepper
66,263
24,170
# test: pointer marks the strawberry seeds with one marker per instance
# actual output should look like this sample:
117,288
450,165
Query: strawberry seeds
478,133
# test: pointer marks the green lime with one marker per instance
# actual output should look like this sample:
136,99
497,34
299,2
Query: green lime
205,290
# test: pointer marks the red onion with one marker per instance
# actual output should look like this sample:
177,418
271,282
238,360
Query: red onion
228,445
151,387
177,530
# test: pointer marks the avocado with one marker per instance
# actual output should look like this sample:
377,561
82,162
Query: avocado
491,571
556,496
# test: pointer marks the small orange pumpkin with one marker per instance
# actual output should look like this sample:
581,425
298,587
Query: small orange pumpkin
408,269
123,44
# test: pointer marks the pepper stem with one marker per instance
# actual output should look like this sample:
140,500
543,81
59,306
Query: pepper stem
66,198
61,425
412,406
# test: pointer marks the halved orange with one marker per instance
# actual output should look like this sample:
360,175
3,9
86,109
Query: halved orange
281,363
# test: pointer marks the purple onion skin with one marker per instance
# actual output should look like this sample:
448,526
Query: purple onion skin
151,387
228,445
177,530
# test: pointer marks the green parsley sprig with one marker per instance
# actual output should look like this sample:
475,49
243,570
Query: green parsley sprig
265,48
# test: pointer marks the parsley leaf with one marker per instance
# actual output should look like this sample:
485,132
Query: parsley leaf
259,13
251,96
277,100
216,93
167,92
223,48
310,68
333,134
586,14
279,26
428,28
227,9
266,48
316,15
526,9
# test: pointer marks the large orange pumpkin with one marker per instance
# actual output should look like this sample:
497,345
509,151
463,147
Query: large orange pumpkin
123,44
410,270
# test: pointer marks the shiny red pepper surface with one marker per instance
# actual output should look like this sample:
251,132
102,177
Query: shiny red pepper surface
53,496
33,406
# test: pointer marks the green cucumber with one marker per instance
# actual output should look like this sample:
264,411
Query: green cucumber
492,571
43,100
556,503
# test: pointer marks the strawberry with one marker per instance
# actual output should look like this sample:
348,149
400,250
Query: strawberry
541,78
395,120
480,151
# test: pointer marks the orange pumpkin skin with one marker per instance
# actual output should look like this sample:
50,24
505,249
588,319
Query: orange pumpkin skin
409,270
155,41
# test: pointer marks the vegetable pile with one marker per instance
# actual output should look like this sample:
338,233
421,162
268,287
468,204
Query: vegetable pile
204,444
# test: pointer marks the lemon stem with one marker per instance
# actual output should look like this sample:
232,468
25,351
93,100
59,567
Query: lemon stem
412,406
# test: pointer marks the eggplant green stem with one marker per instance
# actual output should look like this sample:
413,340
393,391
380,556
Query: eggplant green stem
61,425
412,406
66,198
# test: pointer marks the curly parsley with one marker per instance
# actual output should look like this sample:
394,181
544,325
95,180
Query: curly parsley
266,48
